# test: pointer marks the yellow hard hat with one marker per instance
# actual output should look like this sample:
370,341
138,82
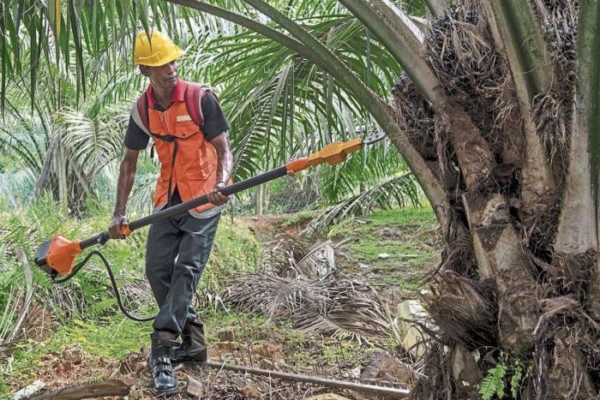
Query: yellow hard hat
157,51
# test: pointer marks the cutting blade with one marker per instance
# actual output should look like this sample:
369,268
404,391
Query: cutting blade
374,138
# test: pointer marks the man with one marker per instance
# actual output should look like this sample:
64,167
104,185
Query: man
195,160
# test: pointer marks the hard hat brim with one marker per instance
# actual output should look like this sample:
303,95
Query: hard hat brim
154,62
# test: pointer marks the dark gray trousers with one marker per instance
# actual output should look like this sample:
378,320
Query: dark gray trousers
176,253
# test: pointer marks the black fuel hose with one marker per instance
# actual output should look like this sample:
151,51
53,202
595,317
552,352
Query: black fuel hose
113,281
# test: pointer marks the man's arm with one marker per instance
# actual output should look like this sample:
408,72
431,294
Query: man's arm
224,168
124,184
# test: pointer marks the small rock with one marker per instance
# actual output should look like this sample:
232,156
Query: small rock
410,314
128,380
73,354
384,367
226,335
194,387
383,256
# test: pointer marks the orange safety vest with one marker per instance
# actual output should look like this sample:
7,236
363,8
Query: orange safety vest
188,161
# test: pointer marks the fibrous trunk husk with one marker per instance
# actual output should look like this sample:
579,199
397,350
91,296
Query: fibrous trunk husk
502,289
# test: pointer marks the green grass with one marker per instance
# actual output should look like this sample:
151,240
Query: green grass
111,339
298,218
403,216
405,236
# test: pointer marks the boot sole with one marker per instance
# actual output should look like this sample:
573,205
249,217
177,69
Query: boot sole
169,392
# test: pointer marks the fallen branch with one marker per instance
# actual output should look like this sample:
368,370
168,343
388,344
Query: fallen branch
86,391
397,393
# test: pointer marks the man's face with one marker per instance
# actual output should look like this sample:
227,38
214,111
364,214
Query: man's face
164,76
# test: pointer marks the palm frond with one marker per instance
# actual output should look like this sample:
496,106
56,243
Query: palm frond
399,191
16,188
301,284
92,143
266,88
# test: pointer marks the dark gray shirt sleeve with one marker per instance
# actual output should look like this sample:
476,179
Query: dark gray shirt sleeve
215,122
135,138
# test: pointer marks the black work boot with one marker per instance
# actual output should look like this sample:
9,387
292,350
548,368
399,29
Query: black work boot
159,364
193,346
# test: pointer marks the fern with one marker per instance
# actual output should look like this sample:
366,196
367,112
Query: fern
493,384
101,308
515,380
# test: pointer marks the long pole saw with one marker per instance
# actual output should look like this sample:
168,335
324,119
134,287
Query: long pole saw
57,256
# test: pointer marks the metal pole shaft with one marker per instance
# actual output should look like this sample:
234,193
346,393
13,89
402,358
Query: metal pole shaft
397,393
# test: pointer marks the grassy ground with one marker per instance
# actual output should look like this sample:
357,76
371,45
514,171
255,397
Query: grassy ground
391,249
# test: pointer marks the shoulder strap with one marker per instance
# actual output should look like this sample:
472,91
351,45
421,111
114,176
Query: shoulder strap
142,108
194,94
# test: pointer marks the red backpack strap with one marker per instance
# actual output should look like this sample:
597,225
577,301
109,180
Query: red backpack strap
194,94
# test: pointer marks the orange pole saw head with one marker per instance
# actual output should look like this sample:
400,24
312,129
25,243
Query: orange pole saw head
334,153
57,256
331,154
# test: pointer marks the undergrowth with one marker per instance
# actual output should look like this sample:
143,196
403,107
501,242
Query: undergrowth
83,312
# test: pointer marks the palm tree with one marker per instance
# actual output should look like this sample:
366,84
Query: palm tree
496,116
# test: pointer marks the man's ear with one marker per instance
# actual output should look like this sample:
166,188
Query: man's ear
145,70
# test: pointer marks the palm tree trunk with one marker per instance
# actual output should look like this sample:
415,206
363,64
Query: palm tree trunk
578,225
42,181
517,36
437,7
61,172
497,246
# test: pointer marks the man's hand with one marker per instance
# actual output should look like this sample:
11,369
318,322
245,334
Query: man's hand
215,196
114,229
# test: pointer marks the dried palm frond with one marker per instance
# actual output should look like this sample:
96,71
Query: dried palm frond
291,256
333,304
300,283
549,114
464,309
461,51
560,30
553,110
565,340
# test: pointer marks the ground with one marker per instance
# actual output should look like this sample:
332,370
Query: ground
392,250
